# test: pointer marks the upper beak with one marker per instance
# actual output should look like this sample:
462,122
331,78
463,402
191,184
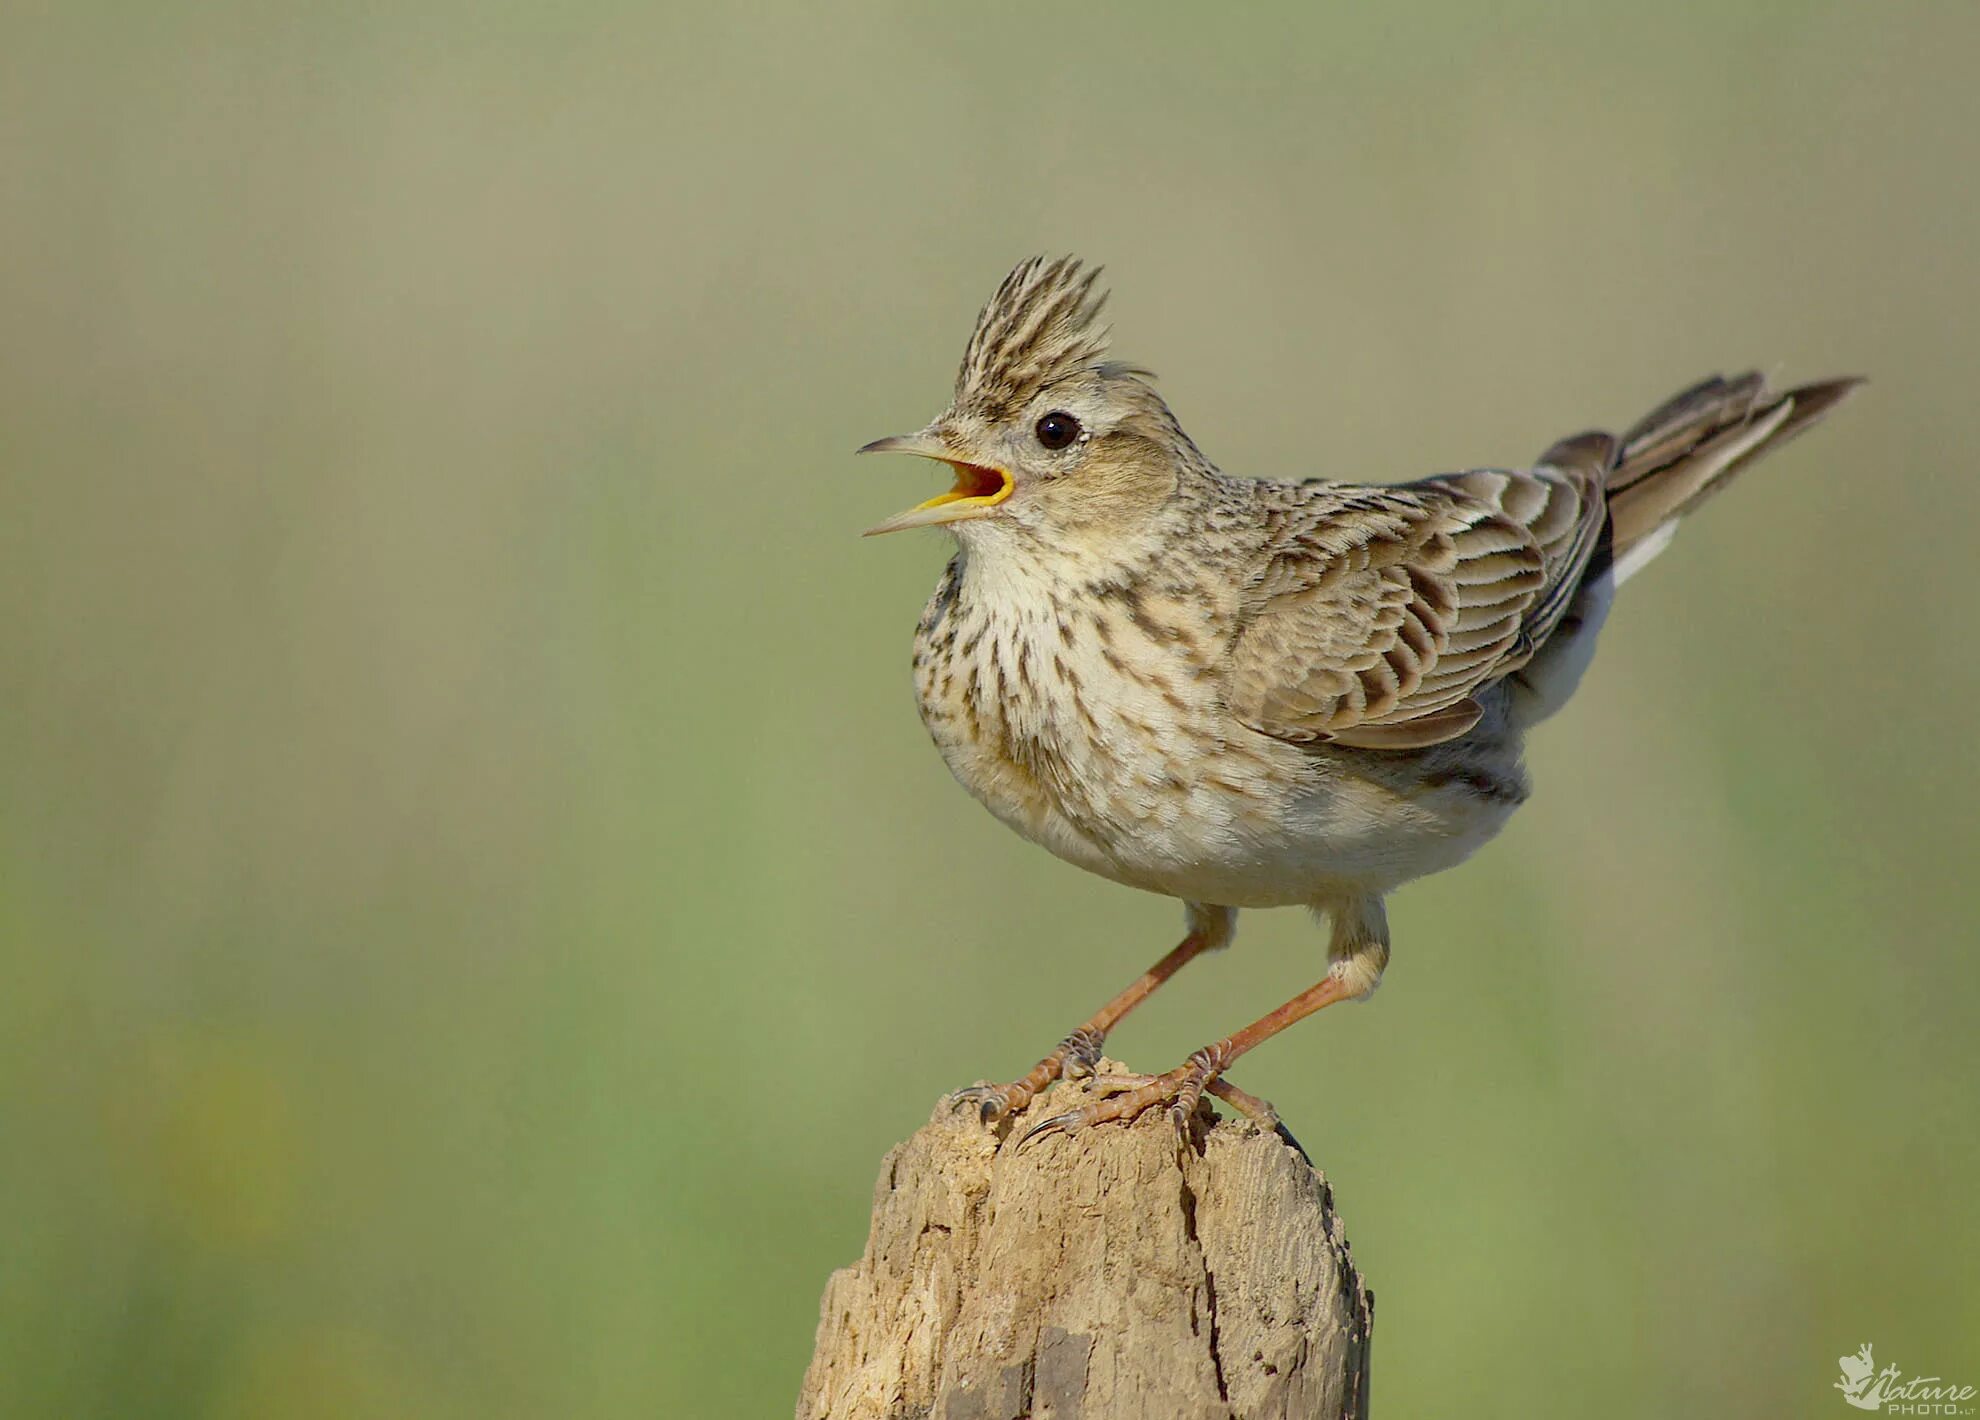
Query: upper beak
978,490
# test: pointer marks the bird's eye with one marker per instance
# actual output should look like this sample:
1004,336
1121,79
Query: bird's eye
1057,429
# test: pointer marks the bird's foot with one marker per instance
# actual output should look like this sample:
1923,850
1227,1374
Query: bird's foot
1075,1057
1181,1090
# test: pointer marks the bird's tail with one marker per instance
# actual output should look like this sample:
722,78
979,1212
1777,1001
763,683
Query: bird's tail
1692,445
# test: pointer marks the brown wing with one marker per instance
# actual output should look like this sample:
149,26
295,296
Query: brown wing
1381,611
1562,505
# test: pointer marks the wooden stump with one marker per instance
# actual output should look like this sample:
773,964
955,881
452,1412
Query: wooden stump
1094,1275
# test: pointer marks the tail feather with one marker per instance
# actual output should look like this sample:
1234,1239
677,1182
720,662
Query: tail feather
1635,489
1692,445
1684,420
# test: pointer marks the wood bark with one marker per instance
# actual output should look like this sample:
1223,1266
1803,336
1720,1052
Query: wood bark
1094,1275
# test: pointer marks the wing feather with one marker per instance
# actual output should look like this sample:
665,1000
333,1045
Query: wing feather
1381,612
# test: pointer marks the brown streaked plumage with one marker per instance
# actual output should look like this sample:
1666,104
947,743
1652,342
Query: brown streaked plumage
1259,694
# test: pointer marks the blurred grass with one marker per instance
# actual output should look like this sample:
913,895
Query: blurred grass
475,901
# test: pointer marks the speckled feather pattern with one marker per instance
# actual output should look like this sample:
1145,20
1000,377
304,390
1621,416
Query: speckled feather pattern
1096,718
1251,694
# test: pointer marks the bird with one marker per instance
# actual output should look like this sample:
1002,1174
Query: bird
1246,693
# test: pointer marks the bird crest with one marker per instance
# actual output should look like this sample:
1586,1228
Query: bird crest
1040,327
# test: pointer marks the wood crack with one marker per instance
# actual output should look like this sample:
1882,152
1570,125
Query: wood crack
1090,1276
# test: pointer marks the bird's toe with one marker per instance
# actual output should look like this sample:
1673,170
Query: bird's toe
991,1102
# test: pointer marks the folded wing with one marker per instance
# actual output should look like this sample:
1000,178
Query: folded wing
1380,612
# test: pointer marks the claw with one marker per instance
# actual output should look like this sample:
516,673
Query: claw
1180,1110
1075,1057
1297,1147
1057,1124
992,1101
1185,1145
1126,1097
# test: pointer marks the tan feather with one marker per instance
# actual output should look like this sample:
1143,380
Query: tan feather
1691,446
1384,609
1420,733
1383,612
1042,325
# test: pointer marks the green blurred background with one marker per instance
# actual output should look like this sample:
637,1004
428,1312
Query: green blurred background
476,901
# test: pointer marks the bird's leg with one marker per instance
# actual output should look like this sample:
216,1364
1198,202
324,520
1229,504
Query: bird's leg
1359,951
1078,1054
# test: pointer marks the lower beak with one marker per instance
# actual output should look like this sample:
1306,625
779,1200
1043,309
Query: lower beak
977,492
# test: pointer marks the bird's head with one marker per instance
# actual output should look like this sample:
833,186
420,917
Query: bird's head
1050,440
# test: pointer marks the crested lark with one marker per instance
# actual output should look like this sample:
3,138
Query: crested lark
1259,694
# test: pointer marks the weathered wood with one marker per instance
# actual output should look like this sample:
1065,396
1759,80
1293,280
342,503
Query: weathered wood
1095,1276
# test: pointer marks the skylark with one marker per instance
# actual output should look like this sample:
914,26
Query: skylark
1261,694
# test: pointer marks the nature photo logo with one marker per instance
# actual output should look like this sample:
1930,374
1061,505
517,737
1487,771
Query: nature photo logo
1889,1390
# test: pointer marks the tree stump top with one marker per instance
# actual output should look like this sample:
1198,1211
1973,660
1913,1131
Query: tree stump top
1094,1275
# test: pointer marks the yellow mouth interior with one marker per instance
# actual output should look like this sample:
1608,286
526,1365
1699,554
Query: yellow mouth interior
985,487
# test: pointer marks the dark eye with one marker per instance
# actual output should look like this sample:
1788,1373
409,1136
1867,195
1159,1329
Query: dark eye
1057,429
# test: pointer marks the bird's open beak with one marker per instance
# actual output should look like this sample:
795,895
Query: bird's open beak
978,489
